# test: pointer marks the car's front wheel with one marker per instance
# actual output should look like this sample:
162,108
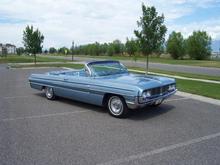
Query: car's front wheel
49,93
117,107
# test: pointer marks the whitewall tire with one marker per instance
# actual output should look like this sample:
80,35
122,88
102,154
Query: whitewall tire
49,93
117,107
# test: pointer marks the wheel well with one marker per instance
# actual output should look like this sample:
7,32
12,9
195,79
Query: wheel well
105,99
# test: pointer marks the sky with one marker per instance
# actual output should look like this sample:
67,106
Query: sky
87,21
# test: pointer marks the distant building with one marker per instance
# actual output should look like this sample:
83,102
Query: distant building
3,49
215,55
7,49
11,49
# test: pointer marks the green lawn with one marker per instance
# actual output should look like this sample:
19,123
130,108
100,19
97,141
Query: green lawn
199,88
27,59
68,65
195,87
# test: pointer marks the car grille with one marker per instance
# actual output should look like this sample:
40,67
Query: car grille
159,90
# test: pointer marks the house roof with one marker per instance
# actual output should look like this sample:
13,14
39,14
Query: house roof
7,45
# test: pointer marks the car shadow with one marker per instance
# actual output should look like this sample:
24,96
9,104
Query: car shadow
150,112
138,114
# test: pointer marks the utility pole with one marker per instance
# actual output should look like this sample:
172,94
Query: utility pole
147,64
72,49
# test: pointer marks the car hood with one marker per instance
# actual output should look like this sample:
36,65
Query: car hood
140,80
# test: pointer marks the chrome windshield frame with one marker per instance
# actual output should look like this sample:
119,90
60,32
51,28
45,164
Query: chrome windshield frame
90,70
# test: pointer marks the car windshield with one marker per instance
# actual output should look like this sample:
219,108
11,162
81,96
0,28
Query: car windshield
107,68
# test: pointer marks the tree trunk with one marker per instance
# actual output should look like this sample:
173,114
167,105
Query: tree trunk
147,61
35,59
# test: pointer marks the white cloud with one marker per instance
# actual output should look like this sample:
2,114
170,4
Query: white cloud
87,21
211,26
64,21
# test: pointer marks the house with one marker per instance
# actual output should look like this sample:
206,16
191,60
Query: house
215,55
7,49
3,49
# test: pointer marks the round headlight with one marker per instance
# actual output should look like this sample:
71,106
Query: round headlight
172,87
146,94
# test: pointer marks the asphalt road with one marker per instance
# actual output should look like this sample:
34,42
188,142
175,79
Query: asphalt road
34,130
168,67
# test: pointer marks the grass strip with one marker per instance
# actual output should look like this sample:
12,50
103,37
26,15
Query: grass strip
74,66
28,59
199,88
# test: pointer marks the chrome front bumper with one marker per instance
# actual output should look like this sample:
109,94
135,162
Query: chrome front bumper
136,104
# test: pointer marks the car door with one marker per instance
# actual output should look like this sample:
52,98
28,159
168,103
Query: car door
75,87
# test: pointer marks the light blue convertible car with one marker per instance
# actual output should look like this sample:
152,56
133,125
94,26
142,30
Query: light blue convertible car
106,83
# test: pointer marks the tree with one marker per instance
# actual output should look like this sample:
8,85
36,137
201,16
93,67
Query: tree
94,49
152,31
111,49
52,50
20,50
72,49
46,51
103,48
199,45
118,46
32,40
175,45
63,50
131,46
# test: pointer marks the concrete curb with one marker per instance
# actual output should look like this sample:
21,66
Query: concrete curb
68,68
198,97
178,77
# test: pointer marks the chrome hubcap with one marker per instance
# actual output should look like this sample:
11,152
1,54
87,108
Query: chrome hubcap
115,105
49,92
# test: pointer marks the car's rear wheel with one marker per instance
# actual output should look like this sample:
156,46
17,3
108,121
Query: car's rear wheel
117,107
49,93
